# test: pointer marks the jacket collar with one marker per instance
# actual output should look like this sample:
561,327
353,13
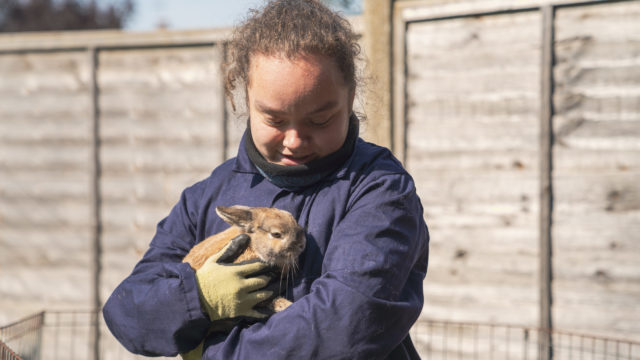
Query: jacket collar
242,164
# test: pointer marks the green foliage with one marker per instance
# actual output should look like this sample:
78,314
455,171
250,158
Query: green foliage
51,15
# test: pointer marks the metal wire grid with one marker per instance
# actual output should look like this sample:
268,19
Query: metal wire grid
21,340
66,335
478,341
59,335
7,354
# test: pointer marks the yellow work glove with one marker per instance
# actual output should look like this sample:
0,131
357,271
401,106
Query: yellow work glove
228,291
195,354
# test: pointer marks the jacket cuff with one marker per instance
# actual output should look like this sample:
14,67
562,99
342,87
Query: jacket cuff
190,291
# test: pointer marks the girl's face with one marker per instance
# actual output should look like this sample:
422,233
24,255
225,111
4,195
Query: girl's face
299,108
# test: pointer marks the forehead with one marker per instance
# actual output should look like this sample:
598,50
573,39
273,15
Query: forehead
311,67
288,84
277,219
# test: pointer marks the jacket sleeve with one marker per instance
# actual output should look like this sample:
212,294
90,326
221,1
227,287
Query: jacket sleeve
368,295
156,310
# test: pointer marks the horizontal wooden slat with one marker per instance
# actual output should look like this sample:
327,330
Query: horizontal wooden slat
613,192
107,38
31,212
25,283
440,162
41,157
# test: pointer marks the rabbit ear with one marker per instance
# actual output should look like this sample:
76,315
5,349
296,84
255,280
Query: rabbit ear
237,215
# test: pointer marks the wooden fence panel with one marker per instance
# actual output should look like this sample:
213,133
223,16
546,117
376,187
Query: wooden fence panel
472,146
44,181
596,219
161,129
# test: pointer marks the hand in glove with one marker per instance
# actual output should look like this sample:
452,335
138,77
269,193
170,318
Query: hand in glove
228,290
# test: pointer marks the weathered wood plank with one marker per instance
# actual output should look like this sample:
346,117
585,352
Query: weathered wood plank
479,32
471,189
597,194
440,162
43,157
595,22
472,146
29,212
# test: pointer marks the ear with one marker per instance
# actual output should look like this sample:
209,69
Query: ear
352,98
237,215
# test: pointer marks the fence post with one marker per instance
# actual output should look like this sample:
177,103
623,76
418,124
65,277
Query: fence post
96,221
377,44
546,194
399,83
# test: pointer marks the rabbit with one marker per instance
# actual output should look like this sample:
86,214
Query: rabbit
276,239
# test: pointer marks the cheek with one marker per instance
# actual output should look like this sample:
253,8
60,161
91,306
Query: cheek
265,136
277,245
332,139
335,141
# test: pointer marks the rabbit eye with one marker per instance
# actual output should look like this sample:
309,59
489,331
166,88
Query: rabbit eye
276,235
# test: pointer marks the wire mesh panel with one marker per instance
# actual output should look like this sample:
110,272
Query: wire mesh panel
59,335
479,341
573,346
23,337
111,349
7,354
67,336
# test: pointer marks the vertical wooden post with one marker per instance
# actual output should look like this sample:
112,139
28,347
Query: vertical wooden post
220,55
546,194
96,221
399,79
377,46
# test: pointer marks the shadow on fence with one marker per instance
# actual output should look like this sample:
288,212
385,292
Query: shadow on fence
67,335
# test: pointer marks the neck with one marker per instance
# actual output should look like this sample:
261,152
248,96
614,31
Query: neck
297,177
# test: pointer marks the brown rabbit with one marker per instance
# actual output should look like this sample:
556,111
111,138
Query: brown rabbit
276,238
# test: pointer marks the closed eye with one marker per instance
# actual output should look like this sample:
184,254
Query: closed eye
273,121
320,121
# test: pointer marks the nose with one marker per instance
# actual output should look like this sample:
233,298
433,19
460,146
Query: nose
293,139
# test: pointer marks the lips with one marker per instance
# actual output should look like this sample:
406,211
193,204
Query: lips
295,160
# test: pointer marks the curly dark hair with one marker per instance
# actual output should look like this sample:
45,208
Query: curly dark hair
290,28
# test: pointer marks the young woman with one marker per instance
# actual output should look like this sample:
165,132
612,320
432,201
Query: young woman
358,289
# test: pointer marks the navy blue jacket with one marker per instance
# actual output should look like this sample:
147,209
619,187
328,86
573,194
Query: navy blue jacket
356,294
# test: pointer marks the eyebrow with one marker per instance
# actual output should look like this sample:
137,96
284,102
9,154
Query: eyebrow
262,107
326,106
